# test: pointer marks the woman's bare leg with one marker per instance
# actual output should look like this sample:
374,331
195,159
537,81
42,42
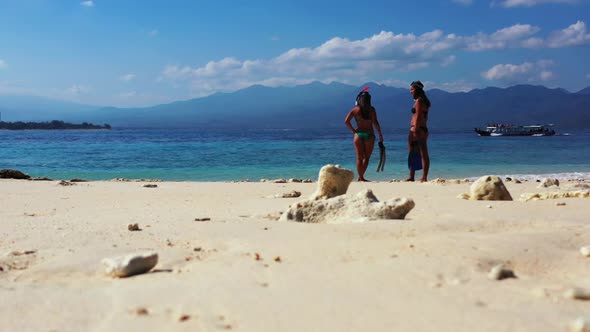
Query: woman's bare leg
425,159
359,147
368,146
412,172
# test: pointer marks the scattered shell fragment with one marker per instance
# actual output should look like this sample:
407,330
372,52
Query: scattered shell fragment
463,196
184,318
20,253
278,259
585,251
291,194
555,195
133,227
580,325
125,266
500,272
577,294
141,311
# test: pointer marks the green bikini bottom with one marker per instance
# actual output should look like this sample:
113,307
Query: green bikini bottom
365,135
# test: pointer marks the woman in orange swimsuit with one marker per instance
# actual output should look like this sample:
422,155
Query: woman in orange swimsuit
418,136
364,136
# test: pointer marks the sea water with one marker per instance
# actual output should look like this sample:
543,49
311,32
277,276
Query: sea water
197,155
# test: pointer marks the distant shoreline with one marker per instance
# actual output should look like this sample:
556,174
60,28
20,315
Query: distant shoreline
52,125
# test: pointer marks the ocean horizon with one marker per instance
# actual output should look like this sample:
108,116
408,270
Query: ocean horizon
235,155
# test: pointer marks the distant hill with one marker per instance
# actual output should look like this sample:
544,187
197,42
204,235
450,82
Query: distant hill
34,108
317,105
584,91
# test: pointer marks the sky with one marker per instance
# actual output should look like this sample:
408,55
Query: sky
133,53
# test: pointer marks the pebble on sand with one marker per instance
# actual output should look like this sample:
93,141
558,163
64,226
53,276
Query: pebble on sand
577,294
133,227
500,272
585,251
132,264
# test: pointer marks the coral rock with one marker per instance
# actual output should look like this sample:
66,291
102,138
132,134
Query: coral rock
344,209
13,174
333,181
125,266
489,188
548,182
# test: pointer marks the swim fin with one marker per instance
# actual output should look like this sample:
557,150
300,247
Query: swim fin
382,157
414,157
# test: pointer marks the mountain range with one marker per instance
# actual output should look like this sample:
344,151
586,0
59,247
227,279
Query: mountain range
317,105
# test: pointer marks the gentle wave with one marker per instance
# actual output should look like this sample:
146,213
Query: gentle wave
574,176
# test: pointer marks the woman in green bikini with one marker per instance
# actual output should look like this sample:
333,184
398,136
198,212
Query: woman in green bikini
364,136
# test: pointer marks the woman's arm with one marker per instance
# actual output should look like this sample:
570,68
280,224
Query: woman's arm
377,126
347,121
414,118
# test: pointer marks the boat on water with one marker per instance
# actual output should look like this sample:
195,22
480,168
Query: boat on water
516,130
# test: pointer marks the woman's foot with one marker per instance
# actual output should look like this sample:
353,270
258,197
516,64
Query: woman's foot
423,180
409,180
362,180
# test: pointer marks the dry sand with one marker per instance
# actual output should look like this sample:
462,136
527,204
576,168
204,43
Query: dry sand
425,273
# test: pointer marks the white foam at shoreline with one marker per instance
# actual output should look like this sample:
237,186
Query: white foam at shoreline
535,177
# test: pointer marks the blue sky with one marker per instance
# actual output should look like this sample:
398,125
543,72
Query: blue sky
137,53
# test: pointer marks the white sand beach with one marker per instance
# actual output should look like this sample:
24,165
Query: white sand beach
428,272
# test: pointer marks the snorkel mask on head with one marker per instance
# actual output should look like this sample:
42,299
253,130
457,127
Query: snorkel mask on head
417,85
365,90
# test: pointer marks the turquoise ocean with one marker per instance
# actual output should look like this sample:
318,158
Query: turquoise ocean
198,155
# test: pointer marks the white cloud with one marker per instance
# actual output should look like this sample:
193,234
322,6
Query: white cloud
573,35
371,58
503,71
88,3
455,86
546,75
128,94
448,60
512,36
2,64
127,77
531,3
526,71
463,2
532,43
77,90
545,63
